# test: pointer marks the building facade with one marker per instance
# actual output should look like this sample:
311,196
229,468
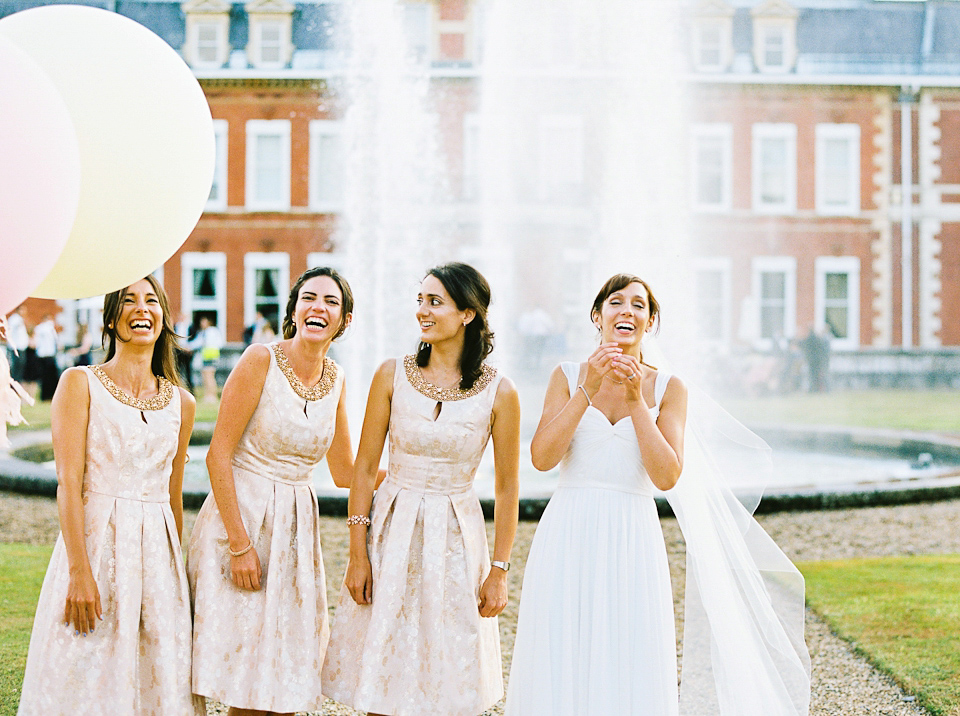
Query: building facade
818,130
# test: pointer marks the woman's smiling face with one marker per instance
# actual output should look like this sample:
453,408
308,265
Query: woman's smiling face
318,314
625,315
437,313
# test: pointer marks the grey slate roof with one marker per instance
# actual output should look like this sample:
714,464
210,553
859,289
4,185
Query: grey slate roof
313,22
862,37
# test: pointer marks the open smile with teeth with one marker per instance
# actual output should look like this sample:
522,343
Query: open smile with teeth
315,323
624,327
427,324
141,325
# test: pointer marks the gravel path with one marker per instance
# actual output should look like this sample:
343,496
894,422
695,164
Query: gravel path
843,683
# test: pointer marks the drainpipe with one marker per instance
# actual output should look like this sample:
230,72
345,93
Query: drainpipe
906,219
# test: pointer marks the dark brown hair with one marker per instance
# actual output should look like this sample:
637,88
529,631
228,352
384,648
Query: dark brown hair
346,308
618,282
164,362
469,290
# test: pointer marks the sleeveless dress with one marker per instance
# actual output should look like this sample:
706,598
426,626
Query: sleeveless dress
137,660
422,647
595,631
264,649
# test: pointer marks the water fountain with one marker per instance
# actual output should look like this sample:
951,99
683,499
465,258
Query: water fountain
573,169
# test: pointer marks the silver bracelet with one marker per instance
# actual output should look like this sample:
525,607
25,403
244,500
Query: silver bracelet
580,387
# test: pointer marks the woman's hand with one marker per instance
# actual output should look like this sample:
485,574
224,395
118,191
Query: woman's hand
600,365
359,580
493,593
83,602
627,369
245,570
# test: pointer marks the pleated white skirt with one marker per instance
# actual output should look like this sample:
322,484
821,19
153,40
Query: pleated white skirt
596,630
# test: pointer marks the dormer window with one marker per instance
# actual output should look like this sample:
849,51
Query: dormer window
270,44
713,36
775,36
207,26
709,52
774,55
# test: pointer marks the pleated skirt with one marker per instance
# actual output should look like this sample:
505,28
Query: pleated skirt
421,647
595,632
261,649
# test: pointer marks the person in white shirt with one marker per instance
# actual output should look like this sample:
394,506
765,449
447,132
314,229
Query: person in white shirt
18,340
47,344
209,341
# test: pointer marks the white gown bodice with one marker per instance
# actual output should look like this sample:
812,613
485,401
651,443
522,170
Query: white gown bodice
605,455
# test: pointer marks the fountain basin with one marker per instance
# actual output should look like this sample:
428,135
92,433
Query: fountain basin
814,467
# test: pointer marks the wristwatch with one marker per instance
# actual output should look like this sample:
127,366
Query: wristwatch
505,566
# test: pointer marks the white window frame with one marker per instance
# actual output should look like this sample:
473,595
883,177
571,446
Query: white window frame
547,181
770,32
788,132
260,26
850,133
471,156
257,128
204,260
724,266
195,22
698,48
849,265
418,30
219,41
253,260
325,128
220,129
724,132
775,264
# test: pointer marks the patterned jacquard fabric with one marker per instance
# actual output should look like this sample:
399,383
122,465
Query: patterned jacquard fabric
137,660
422,646
264,649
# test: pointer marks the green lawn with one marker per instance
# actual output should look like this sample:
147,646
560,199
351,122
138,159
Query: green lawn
21,573
902,409
38,415
902,614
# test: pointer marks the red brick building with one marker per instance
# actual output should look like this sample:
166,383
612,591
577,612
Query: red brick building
801,113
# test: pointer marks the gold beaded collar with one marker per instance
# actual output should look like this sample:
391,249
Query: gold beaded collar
320,390
158,402
435,392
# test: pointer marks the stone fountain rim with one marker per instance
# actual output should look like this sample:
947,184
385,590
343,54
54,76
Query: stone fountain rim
24,477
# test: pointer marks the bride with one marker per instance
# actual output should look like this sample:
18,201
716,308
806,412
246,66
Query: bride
595,632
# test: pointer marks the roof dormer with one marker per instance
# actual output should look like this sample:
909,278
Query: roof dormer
270,39
775,36
207,33
712,36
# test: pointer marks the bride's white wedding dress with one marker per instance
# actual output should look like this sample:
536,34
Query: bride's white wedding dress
596,631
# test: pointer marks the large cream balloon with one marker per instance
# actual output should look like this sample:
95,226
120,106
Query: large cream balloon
145,136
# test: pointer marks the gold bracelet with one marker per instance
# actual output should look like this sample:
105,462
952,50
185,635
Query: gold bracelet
242,551
358,520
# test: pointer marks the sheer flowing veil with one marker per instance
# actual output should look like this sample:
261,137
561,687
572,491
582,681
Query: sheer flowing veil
743,647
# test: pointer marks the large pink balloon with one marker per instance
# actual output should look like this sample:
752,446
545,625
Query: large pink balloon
39,175
145,136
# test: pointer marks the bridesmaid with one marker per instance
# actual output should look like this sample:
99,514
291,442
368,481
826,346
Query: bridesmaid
414,632
112,629
255,567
